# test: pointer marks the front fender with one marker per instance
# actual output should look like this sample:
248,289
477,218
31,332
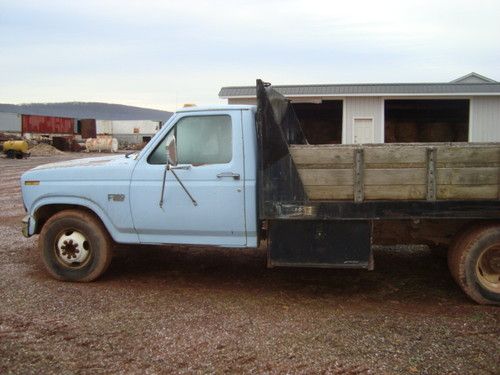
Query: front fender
116,234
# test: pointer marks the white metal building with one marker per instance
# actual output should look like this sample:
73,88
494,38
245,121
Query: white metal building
130,125
466,109
130,132
10,123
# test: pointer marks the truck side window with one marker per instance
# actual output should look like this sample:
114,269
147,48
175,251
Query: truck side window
200,140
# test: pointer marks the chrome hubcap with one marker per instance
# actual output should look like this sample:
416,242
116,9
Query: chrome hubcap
73,249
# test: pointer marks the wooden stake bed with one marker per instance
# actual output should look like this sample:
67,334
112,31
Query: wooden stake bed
428,172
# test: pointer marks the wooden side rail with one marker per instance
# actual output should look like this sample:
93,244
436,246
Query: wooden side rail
457,171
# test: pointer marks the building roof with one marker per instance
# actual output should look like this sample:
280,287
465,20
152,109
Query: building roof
217,107
461,86
79,110
473,78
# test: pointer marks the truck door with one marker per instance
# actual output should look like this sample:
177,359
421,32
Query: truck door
210,156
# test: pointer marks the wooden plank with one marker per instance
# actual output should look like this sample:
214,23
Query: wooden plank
326,177
344,177
317,156
394,165
449,155
395,192
465,192
329,192
404,176
468,165
395,156
388,155
468,176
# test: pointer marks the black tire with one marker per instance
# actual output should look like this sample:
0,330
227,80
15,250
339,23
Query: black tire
11,154
75,224
468,258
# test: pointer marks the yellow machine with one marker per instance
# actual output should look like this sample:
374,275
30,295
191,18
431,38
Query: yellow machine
15,149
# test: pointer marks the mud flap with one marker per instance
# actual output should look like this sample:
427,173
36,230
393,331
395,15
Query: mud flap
320,243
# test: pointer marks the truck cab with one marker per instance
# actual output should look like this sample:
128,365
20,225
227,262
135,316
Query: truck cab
216,165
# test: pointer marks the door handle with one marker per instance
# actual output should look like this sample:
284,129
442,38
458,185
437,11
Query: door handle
236,176
183,167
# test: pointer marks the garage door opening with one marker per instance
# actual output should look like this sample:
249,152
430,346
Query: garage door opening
426,121
321,123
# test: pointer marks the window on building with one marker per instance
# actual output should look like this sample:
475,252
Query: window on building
436,120
322,122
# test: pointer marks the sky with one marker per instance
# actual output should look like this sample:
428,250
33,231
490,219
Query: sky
163,54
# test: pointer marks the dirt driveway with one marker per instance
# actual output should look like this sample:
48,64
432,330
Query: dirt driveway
191,310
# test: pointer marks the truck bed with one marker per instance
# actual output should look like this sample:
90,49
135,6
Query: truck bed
433,171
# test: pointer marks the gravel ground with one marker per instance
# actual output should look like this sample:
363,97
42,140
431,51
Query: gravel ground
192,310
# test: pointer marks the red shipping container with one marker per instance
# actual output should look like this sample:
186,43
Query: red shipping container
47,125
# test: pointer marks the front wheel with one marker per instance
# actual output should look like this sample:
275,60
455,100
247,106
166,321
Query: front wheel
75,246
474,262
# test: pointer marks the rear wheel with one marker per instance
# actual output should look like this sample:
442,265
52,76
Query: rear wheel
75,246
474,262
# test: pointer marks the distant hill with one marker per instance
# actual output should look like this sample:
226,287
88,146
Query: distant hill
82,110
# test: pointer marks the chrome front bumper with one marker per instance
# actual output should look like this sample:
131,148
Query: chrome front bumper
26,226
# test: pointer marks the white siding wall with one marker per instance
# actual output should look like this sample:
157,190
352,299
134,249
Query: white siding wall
363,108
104,127
127,127
10,122
484,119
354,107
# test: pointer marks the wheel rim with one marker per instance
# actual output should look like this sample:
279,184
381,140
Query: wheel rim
72,248
488,268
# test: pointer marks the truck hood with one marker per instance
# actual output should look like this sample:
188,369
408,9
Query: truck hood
116,167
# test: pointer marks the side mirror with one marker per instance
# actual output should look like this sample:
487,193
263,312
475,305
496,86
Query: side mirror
172,151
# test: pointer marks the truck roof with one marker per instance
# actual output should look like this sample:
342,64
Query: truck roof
218,107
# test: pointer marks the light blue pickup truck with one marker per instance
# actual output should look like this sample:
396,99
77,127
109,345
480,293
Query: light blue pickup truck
235,176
